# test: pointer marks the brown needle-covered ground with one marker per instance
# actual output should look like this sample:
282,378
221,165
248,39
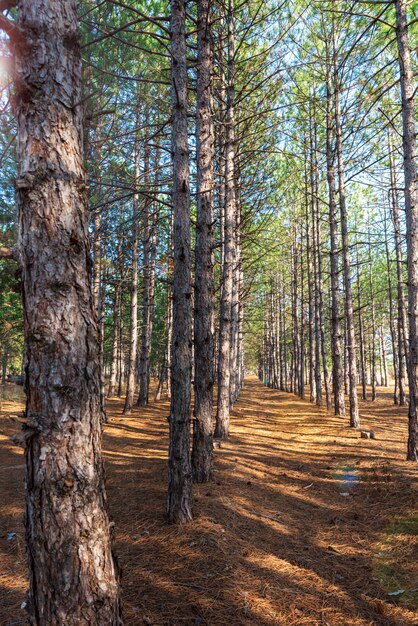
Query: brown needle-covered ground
304,523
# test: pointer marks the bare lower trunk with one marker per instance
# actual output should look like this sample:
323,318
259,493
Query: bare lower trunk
401,321
350,334
179,505
373,326
204,285
115,344
411,209
147,293
336,348
225,322
363,368
133,328
73,578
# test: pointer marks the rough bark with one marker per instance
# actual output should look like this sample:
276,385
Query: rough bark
115,343
73,577
401,318
350,333
148,283
391,314
363,368
202,451
373,375
336,347
225,322
411,209
312,394
179,504
133,328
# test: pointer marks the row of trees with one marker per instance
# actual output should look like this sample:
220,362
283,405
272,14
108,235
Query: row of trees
153,219
243,180
340,309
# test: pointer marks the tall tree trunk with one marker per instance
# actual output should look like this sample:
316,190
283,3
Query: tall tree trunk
336,348
121,346
391,314
383,359
202,451
301,372
373,321
350,334
133,329
179,504
225,322
315,248
285,350
311,307
295,315
115,343
363,369
73,577
411,208
147,296
401,321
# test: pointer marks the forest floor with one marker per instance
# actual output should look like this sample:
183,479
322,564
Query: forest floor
304,523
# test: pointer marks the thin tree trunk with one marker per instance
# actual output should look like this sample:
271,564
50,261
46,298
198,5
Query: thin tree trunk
311,307
350,334
73,577
115,343
391,314
302,326
363,369
317,329
144,357
121,357
4,363
133,329
401,322
373,328
383,358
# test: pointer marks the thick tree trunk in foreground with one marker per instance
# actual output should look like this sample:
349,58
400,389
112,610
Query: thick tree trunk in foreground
73,578
204,285
179,505
411,208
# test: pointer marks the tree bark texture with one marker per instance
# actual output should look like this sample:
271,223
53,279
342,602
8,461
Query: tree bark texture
73,577
202,451
229,260
179,505
133,328
350,333
411,209
336,347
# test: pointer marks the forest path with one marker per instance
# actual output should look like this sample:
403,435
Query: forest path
300,524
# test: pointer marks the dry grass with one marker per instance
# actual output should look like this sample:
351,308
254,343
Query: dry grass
274,541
